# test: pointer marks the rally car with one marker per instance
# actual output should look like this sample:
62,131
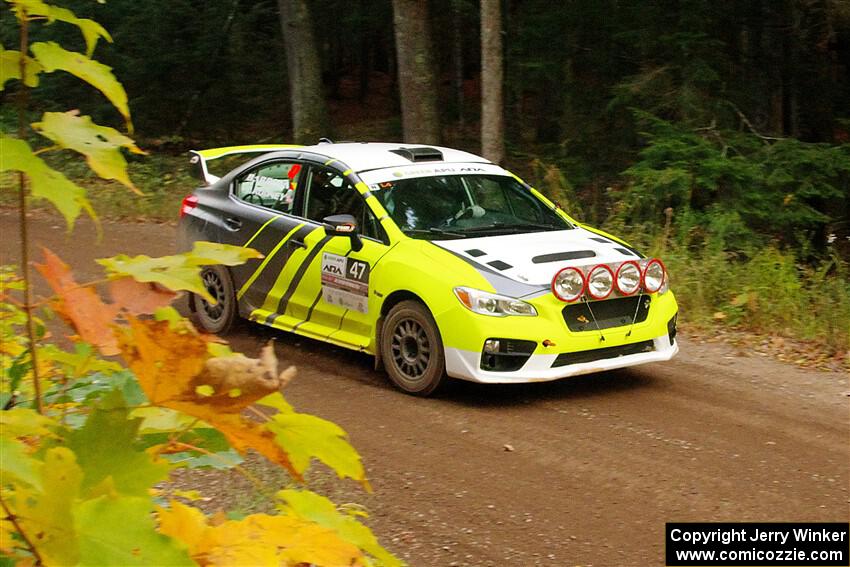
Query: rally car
436,261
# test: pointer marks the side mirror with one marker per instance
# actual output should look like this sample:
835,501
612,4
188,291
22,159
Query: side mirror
344,225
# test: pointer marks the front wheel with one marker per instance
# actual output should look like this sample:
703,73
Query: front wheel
218,318
412,349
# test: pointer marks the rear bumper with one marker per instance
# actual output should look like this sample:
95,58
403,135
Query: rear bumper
466,365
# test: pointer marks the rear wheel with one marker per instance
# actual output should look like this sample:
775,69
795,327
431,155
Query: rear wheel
218,318
412,350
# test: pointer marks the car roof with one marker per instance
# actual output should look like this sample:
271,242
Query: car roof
366,156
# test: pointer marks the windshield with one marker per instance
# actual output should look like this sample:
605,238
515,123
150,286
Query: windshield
460,206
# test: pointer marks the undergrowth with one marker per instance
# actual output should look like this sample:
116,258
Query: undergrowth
763,289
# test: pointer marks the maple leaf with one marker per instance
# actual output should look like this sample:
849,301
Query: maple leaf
100,144
170,363
121,531
81,307
164,360
236,381
139,298
54,57
49,512
179,271
106,449
304,437
316,508
45,182
258,539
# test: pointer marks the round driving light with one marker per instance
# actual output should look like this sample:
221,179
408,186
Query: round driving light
568,284
600,282
653,275
628,277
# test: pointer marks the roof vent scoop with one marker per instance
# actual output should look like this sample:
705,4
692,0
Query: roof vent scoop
419,154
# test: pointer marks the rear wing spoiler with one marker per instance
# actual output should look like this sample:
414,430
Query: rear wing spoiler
198,158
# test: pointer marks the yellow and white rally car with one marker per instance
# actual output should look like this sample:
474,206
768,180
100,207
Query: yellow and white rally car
436,261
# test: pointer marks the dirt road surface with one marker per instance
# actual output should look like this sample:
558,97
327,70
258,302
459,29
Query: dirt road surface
577,472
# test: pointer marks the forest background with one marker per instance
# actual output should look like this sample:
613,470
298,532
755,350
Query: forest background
714,134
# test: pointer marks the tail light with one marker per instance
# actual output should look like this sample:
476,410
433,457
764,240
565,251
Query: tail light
653,275
189,203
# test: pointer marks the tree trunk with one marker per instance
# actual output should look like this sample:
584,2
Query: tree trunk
416,79
309,114
492,114
457,60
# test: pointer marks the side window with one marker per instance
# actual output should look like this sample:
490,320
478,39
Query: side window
329,193
270,185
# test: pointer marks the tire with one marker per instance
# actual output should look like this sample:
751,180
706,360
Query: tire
219,318
411,349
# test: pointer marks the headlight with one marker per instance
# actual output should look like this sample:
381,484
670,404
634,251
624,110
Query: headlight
568,284
654,275
628,277
486,303
600,282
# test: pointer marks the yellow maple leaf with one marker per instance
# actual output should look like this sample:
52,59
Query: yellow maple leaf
258,539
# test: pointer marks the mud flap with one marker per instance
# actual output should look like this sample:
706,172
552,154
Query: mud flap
379,328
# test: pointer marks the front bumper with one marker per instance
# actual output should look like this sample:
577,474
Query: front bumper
558,351
466,365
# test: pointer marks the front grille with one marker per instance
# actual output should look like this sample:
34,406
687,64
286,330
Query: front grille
567,358
609,313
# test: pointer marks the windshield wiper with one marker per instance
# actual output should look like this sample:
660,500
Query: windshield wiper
433,230
512,227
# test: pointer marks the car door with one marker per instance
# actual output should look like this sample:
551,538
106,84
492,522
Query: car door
259,216
332,300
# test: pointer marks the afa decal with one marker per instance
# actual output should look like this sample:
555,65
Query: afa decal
345,282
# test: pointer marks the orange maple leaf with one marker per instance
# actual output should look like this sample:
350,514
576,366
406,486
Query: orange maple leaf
81,307
139,298
171,363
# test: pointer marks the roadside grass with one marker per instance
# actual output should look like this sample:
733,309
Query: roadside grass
163,179
766,292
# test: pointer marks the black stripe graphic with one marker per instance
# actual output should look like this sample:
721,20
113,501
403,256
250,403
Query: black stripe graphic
265,280
313,306
309,311
296,279
339,327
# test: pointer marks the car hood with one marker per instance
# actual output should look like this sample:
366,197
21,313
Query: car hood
520,265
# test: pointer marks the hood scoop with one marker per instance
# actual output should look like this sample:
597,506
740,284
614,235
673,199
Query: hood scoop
562,256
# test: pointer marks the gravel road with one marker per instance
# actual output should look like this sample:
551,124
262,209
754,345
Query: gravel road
577,472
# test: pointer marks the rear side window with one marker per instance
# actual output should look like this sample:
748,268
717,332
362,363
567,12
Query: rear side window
270,185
